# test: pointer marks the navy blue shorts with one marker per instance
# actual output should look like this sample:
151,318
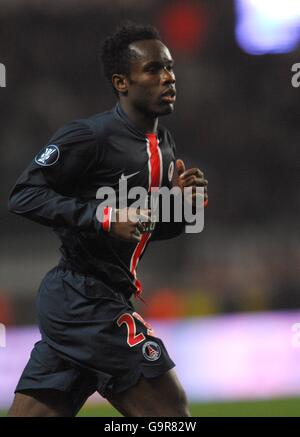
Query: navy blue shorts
92,340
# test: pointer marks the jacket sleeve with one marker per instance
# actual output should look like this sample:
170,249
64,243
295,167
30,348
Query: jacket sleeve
167,230
42,192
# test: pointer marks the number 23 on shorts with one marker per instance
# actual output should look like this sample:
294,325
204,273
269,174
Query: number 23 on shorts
133,339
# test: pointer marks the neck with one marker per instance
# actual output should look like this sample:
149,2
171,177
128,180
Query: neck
143,122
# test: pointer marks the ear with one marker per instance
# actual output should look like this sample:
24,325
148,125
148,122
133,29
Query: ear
120,83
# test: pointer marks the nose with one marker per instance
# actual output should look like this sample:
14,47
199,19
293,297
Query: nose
168,76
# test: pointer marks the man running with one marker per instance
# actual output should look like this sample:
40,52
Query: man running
92,338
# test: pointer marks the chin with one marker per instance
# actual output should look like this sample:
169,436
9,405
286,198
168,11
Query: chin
166,109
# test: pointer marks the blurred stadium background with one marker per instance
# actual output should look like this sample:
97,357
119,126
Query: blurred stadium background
224,301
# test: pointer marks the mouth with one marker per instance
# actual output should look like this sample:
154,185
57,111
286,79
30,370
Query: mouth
169,96
169,99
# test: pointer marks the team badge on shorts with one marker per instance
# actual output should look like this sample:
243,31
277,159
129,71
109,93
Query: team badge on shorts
151,351
48,156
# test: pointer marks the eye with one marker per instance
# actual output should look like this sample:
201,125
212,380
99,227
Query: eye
152,70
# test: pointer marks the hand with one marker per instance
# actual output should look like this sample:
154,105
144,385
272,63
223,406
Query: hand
192,177
129,224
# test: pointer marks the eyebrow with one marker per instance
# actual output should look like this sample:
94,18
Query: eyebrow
159,64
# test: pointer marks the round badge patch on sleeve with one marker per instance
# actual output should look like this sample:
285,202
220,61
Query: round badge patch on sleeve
48,156
151,350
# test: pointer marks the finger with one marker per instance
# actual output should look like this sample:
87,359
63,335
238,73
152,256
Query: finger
192,181
139,220
145,211
144,214
144,218
136,235
135,238
201,182
136,230
189,182
193,171
180,166
135,215
140,226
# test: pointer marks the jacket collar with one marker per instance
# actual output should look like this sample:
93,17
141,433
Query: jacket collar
119,111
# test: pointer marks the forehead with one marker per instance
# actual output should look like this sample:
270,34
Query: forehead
150,51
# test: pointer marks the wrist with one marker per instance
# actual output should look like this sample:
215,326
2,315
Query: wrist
104,218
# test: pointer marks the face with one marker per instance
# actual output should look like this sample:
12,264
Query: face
151,85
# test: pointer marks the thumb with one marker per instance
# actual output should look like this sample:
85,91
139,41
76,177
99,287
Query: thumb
180,166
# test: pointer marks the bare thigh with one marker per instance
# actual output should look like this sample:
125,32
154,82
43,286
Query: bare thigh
156,397
41,403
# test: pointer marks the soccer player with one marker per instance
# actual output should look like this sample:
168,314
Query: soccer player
91,337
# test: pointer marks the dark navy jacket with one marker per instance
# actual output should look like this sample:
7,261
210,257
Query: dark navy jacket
58,189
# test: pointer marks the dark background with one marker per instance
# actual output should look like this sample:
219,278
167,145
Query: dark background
237,118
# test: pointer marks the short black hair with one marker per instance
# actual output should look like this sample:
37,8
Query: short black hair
115,53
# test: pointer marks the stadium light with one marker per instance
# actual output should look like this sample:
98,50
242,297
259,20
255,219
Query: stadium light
267,26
